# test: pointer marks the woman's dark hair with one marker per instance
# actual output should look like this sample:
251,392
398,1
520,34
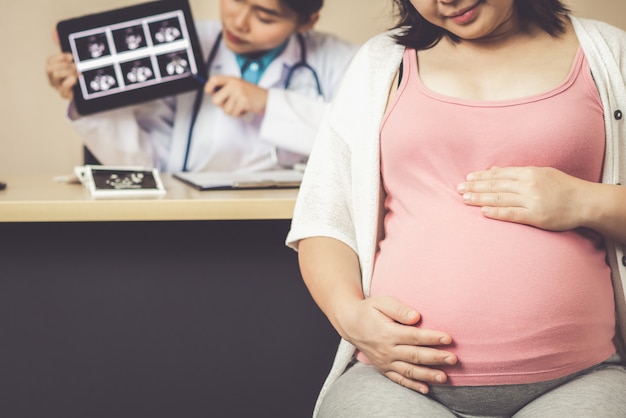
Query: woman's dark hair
304,8
419,34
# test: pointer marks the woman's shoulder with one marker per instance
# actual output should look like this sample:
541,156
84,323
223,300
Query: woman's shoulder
370,74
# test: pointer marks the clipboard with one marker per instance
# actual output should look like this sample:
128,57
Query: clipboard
132,54
218,180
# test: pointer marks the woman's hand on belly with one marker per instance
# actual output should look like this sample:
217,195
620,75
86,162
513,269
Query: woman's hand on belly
384,331
543,197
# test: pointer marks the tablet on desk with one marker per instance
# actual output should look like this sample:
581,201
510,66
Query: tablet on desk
132,54
120,182
212,180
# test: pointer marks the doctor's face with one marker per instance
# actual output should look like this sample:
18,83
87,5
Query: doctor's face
252,26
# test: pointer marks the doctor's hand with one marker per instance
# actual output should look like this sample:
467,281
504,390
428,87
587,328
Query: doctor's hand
543,197
62,74
61,71
384,330
235,96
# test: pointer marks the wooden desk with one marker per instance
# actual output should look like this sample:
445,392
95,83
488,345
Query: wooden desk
185,306
40,199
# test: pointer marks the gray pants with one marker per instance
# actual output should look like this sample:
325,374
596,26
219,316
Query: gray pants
598,392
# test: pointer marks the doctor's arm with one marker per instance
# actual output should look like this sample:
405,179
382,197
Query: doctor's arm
292,120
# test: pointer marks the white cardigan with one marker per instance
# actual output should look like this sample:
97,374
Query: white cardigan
340,196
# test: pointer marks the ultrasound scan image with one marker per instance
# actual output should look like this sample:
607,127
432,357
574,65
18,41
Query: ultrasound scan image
126,58
174,64
100,80
177,66
123,179
92,47
129,39
166,31
138,71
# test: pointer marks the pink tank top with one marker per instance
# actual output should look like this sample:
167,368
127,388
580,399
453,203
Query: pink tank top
522,304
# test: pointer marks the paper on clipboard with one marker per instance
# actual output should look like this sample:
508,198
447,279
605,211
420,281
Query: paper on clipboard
217,180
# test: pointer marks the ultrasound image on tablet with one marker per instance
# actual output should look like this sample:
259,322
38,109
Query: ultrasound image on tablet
166,31
138,71
174,63
129,39
92,46
133,54
101,81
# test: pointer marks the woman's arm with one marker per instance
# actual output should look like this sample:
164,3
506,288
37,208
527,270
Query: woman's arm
380,327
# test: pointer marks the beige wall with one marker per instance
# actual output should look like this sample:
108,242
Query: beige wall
35,136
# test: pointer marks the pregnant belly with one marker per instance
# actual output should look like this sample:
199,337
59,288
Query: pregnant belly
518,312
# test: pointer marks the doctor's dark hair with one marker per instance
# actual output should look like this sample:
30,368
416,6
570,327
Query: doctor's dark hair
304,8
418,33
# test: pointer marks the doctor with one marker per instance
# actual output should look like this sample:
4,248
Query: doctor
269,80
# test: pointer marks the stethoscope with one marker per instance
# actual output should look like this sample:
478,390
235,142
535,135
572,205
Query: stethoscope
302,64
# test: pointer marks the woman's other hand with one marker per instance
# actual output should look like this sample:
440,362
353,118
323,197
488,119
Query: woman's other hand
385,331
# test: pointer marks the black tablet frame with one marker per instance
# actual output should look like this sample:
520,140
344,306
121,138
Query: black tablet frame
118,72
